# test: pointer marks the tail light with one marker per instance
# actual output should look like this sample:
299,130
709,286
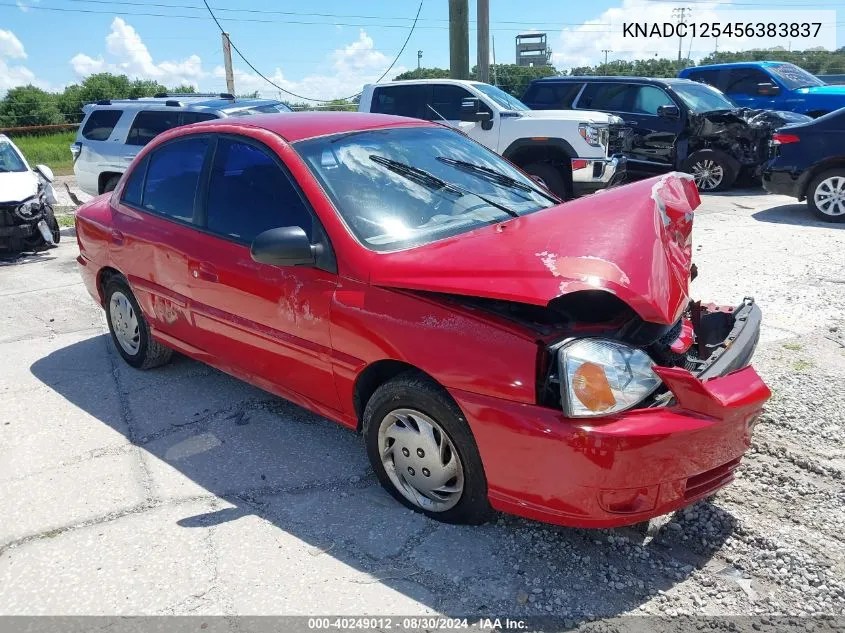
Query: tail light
75,150
780,138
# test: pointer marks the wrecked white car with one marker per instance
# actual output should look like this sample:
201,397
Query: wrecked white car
27,222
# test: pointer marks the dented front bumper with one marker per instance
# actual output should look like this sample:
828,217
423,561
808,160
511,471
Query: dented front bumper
635,465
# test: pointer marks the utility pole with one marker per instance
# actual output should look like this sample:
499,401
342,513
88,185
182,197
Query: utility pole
606,51
227,62
483,41
419,57
459,39
495,81
679,13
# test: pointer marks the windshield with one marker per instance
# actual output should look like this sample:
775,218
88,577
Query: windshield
388,206
794,77
10,160
702,98
502,98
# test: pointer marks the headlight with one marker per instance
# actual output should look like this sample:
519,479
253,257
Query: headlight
590,133
600,377
28,210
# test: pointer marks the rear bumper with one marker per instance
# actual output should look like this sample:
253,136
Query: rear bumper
591,174
630,467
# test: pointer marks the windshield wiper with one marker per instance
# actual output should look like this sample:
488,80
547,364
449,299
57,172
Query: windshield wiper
496,176
428,179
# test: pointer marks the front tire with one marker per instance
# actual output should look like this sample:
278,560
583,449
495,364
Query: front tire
826,196
423,452
712,170
129,329
557,179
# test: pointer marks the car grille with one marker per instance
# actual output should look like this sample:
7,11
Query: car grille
617,140
7,215
662,354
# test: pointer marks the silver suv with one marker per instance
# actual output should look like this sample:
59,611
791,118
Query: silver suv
114,131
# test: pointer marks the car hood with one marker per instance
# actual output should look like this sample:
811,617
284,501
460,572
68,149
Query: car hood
17,186
833,91
632,241
587,116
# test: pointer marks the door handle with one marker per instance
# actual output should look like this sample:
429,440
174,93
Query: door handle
116,237
204,271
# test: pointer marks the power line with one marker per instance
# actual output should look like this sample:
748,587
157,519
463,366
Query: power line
286,91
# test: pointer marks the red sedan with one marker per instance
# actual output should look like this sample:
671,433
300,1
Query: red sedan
498,349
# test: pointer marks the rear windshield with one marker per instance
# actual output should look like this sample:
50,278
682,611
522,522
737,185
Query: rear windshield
388,206
795,77
100,124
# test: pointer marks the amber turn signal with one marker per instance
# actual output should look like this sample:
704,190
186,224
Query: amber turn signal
591,387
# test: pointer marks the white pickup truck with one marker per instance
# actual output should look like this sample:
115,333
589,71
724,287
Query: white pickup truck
572,151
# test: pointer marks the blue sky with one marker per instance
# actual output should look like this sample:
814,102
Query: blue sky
56,42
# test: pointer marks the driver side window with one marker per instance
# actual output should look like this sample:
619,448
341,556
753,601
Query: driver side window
249,193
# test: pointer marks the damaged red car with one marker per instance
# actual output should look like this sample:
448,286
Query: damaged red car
497,348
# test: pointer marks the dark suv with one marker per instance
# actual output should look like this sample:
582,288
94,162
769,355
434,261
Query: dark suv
677,124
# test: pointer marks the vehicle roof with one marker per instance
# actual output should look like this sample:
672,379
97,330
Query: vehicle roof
446,80
734,65
297,126
204,102
660,81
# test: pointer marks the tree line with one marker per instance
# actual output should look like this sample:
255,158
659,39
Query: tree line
30,106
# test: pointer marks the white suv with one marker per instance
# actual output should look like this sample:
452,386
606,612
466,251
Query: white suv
114,131
572,152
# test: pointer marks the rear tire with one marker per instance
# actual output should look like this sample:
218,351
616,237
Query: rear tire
558,180
712,170
129,329
110,184
826,196
413,428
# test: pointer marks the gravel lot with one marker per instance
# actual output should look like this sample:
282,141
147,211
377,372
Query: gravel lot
184,491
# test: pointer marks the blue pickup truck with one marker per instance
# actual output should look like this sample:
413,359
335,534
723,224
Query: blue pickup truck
770,86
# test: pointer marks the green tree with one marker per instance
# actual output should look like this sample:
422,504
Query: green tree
423,73
28,105
514,79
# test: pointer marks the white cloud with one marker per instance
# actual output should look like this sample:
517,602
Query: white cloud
347,70
10,46
583,45
128,55
12,75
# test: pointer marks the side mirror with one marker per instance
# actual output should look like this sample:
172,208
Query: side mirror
473,111
767,89
285,246
668,112
46,172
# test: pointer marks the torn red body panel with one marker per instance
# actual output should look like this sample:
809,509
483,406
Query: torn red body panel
634,242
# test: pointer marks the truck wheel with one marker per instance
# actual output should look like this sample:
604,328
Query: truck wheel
423,452
826,196
129,330
712,170
558,180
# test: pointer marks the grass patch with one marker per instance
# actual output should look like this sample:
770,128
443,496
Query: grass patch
52,150
793,347
802,365
65,220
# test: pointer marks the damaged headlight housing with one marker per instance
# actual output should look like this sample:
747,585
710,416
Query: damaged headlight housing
29,209
600,377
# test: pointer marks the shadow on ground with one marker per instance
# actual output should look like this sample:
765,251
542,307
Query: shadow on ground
797,214
204,433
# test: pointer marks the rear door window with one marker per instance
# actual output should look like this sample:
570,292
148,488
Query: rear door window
744,81
100,124
614,97
150,123
249,193
196,117
401,100
173,173
709,77
553,95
